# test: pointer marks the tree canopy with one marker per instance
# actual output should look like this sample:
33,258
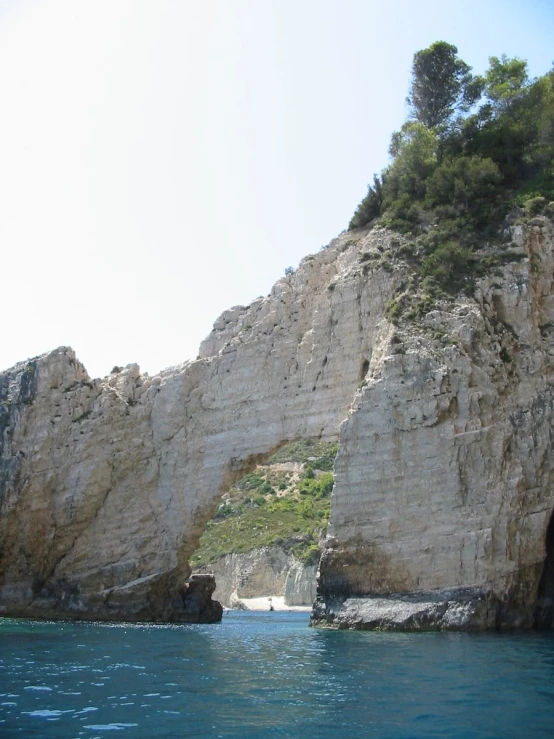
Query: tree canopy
505,82
472,148
442,84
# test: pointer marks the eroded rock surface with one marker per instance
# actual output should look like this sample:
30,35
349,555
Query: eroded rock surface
443,478
107,484
450,609
198,605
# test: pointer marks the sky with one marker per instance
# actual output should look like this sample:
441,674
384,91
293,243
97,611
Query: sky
163,161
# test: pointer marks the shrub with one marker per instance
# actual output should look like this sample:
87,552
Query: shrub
450,267
466,186
308,554
393,310
324,463
326,482
534,206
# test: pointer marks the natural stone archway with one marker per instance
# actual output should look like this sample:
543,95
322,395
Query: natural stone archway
109,483
266,535
544,610
443,481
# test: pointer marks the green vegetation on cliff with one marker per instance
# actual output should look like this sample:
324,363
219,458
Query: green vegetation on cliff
473,149
285,502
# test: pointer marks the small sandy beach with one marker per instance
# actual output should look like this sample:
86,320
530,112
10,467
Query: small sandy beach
278,601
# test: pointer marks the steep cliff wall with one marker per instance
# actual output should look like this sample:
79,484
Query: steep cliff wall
443,478
107,484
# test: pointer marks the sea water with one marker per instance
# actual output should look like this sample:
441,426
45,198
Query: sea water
269,675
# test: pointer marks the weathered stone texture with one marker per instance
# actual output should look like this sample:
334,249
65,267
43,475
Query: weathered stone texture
444,473
444,477
109,483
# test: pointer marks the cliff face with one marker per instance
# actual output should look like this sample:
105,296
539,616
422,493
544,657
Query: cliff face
443,477
107,484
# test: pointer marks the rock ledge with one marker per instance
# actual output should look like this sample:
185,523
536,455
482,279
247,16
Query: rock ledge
468,609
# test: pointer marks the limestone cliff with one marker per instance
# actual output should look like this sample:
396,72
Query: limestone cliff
107,484
443,477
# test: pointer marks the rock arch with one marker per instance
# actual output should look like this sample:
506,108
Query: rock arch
444,471
117,478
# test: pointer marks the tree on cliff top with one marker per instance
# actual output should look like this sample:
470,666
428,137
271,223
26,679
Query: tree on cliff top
455,171
442,84
506,82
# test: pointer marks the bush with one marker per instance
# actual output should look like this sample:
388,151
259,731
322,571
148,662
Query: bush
393,310
325,463
534,206
450,267
308,554
467,186
326,482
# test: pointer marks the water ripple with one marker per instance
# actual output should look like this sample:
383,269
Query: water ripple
260,674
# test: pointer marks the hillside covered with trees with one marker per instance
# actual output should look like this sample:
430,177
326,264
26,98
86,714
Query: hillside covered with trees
473,151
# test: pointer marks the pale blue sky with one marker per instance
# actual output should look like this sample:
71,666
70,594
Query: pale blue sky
163,160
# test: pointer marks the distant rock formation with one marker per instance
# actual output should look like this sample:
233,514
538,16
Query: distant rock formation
265,571
443,480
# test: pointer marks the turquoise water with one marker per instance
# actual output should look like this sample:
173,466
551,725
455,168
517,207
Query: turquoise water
267,674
